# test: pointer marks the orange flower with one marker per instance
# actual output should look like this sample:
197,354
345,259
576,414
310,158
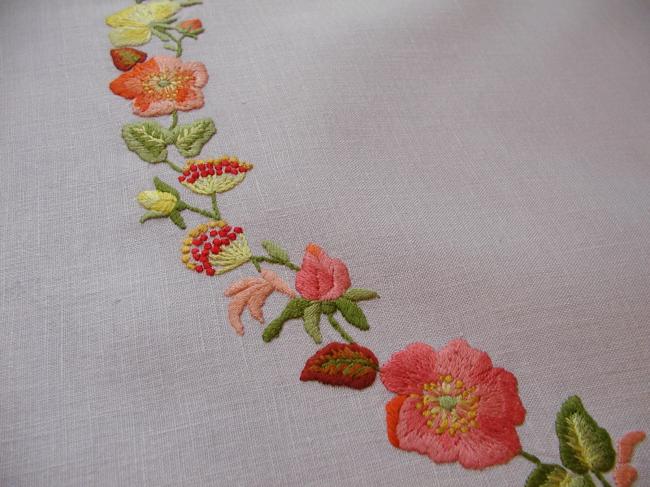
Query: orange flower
161,85
192,25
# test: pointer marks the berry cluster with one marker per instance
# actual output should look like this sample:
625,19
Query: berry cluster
206,241
217,167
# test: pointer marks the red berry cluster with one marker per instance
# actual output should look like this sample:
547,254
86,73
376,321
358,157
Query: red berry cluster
212,168
212,242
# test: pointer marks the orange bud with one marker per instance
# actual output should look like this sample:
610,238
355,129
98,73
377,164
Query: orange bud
191,25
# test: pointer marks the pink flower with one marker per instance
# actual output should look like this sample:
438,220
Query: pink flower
453,405
321,278
161,85
625,474
252,293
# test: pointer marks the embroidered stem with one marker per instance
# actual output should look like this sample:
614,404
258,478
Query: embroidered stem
602,479
215,208
205,213
336,325
530,457
256,259
172,165
174,120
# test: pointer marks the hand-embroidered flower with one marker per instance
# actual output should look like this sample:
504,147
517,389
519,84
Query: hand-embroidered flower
453,405
132,25
159,202
625,474
321,278
193,26
214,176
252,293
162,85
215,247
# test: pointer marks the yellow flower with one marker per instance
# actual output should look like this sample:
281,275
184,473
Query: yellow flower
132,24
159,202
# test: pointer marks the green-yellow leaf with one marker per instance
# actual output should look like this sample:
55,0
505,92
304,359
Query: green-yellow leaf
555,476
359,294
584,446
352,313
191,138
311,317
294,309
148,140
275,251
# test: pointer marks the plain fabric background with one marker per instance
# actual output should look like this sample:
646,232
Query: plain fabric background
483,165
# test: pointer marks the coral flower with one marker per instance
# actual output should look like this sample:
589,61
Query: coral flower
132,25
321,278
453,405
161,85
252,293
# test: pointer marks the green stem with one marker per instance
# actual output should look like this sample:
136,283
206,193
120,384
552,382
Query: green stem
174,120
335,324
189,3
173,166
602,479
270,260
205,213
215,208
530,457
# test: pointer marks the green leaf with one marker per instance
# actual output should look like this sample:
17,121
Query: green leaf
584,446
311,317
166,188
191,138
149,215
147,139
275,251
352,313
294,309
358,294
177,218
555,476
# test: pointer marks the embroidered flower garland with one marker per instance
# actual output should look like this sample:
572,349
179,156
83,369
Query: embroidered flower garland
452,405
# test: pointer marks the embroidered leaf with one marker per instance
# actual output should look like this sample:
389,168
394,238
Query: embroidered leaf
191,138
342,364
584,446
124,58
358,294
151,214
294,309
555,476
147,139
352,313
311,317
177,218
163,186
275,251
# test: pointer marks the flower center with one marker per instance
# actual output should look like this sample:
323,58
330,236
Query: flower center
164,83
449,406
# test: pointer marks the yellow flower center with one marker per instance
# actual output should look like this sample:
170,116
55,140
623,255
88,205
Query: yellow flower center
165,84
449,406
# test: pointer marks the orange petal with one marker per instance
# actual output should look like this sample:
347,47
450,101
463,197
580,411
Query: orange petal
626,445
392,418
625,475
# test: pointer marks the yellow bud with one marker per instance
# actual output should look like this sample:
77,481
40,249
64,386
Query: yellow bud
158,201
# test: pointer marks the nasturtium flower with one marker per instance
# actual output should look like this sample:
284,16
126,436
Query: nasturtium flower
158,202
132,25
215,175
214,248
452,405
162,85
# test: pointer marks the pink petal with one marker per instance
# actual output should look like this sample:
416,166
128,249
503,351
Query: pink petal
626,445
257,300
499,397
277,283
408,369
414,435
236,308
199,71
625,475
489,444
240,285
463,362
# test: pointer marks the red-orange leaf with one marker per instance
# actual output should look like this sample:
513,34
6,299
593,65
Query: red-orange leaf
342,364
124,58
